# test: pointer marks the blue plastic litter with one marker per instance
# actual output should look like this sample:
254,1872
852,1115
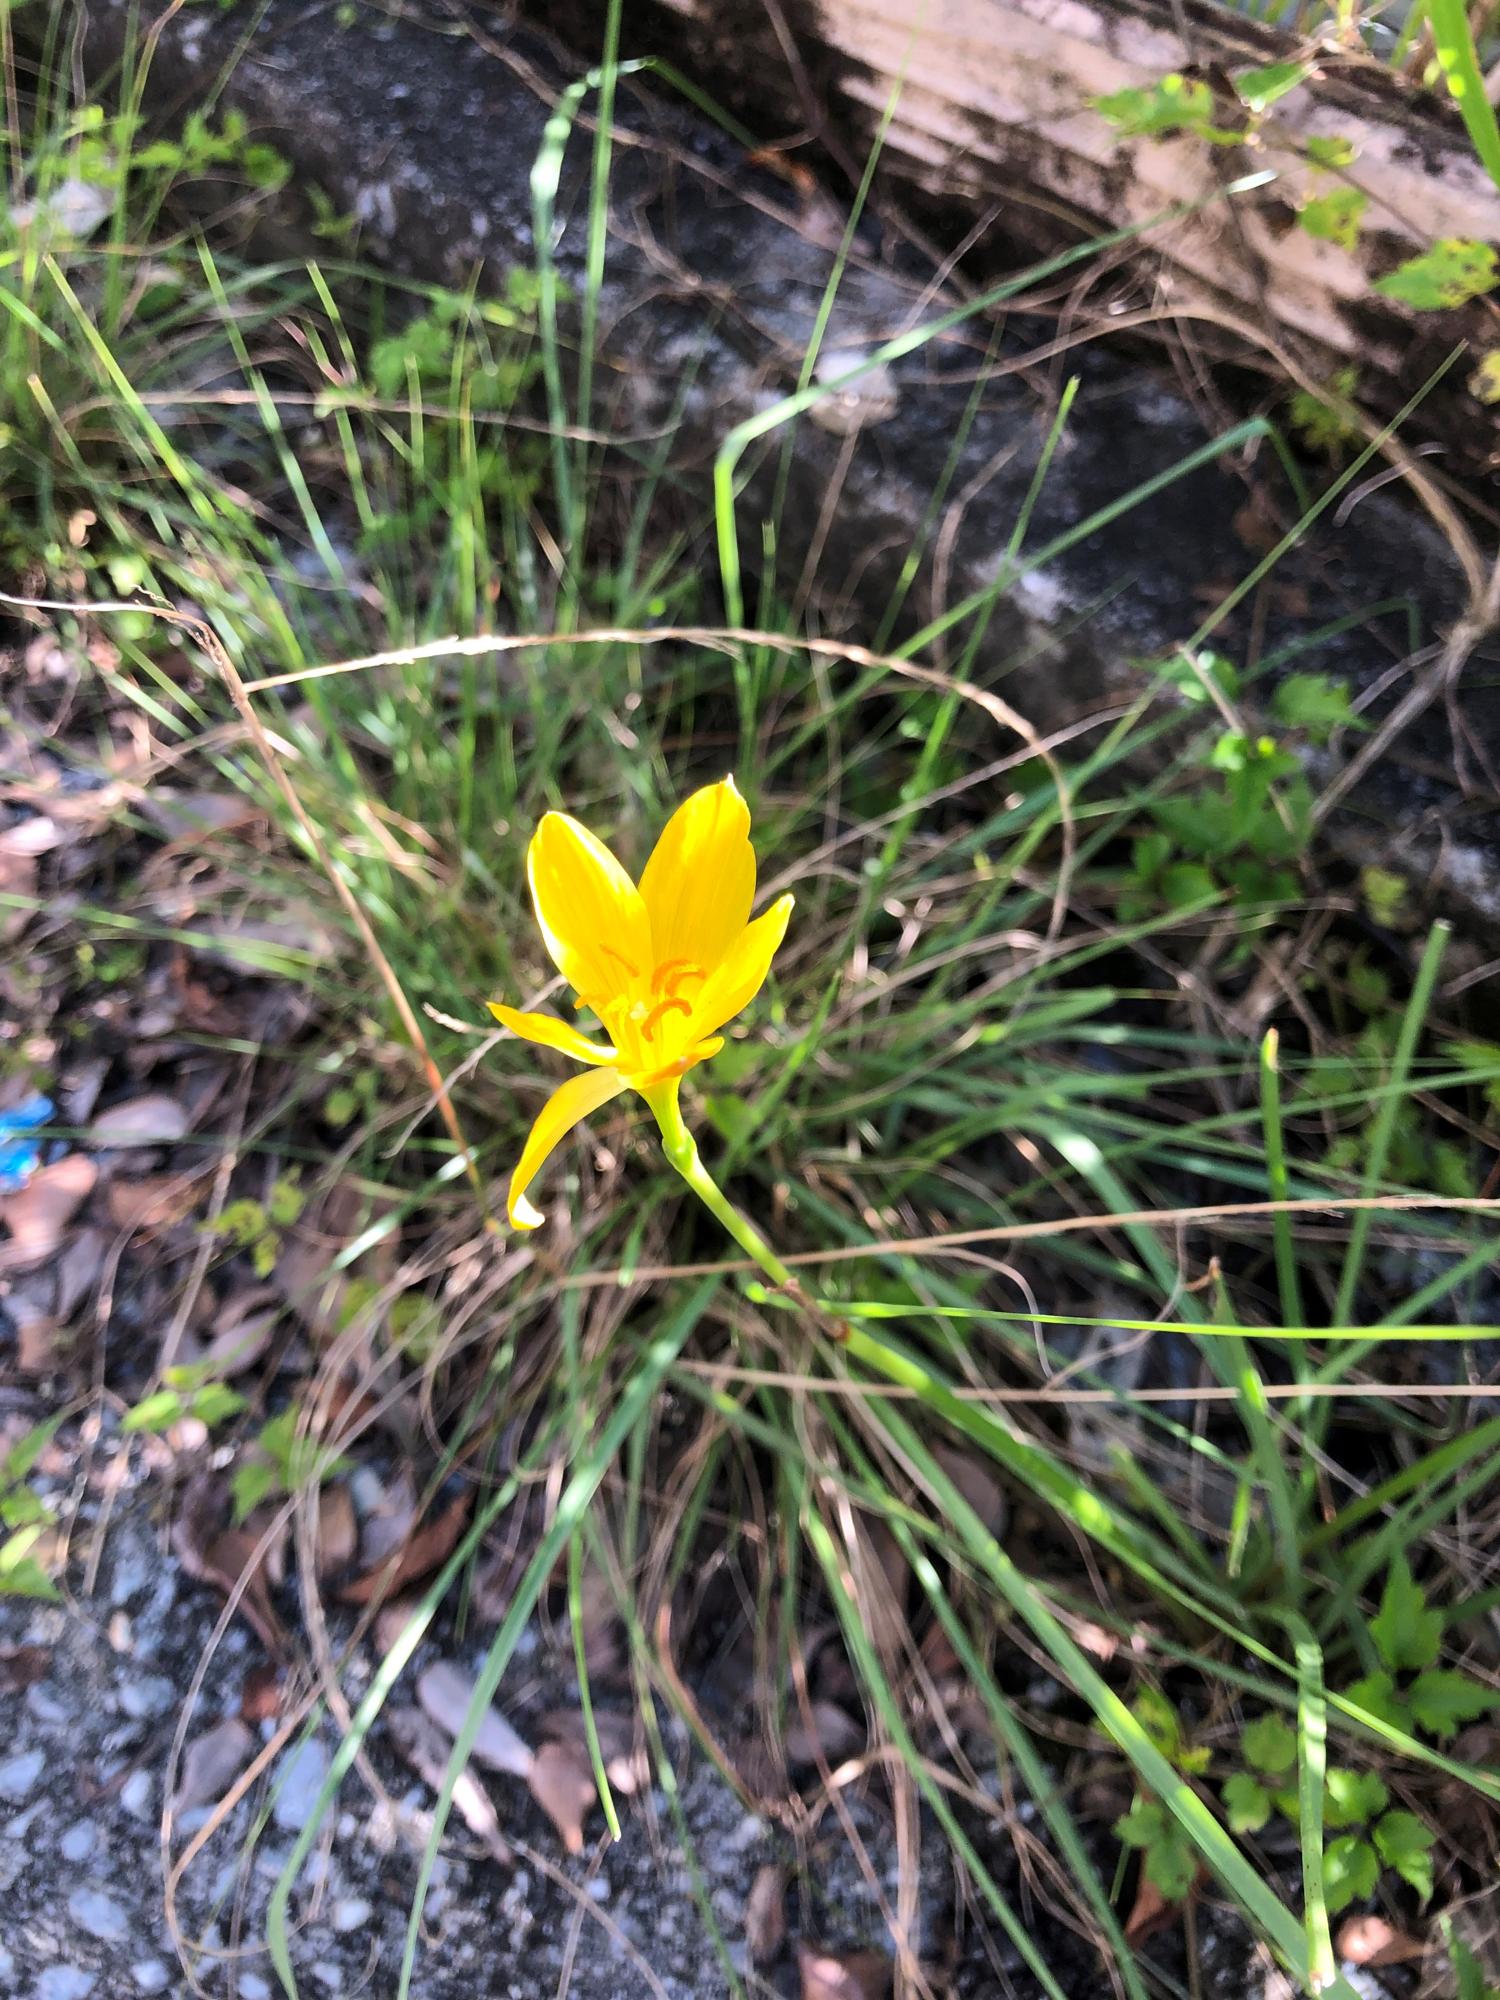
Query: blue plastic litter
19,1155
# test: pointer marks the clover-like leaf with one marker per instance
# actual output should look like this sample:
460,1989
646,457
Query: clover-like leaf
1443,1700
1352,1798
1407,1635
1247,1803
1405,1844
1350,1871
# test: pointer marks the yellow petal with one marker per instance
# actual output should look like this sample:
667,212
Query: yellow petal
550,1034
592,917
700,880
742,974
568,1105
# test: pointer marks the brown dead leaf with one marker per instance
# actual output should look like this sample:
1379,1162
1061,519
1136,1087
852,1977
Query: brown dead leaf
427,1749
22,1667
1151,1912
626,1764
825,1729
765,1914
392,1619
446,1693
242,1330
1370,1940
850,1975
37,1214
211,1764
194,816
974,1477
338,1532
429,1545
152,1202
562,1785
211,1553
261,1694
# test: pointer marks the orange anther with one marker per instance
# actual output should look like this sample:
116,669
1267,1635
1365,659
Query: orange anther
648,1026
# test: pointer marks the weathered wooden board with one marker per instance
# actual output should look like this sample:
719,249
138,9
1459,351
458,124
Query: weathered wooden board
992,101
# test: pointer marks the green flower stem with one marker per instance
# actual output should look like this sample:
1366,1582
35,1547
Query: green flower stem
681,1149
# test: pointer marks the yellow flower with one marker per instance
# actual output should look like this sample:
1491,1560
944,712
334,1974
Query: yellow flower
662,966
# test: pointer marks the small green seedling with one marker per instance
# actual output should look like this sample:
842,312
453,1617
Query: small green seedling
278,1462
256,1227
1409,1691
1167,1854
24,1519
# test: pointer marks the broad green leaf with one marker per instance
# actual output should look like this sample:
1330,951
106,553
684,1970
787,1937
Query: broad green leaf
1484,382
154,1413
1335,217
1333,154
1407,1635
253,1479
1403,1843
1451,273
1173,105
1352,1798
1258,89
1144,1823
1269,1745
1171,1864
1247,1803
1376,1694
1385,895
1314,703
1350,1871
1443,1700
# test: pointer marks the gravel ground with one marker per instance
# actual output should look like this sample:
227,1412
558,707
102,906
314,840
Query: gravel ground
82,1767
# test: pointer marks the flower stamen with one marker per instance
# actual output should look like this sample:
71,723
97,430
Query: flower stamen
648,1026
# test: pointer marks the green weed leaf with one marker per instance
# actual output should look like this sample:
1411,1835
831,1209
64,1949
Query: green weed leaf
1443,1701
1407,1635
1451,273
1353,1798
1350,1871
1403,1843
1247,1803
1314,703
1335,217
1269,1745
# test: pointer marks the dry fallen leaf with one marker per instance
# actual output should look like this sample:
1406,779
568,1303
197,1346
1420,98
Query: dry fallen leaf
37,1214
242,1331
222,1556
562,1785
427,1749
211,1764
424,1550
825,1729
851,1975
626,1764
151,1203
338,1532
261,1693
972,1475
765,1914
1151,1912
152,1120
22,1667
446,1693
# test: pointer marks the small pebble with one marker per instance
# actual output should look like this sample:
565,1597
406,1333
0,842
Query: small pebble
98,1914
253,1987
80,1840
352,1914
151,1976
18,1775
299,1780
135,1794
64,1982
147,1697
